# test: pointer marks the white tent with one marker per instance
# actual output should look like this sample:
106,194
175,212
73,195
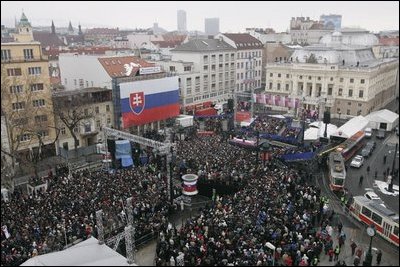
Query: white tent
86,253
383,119
317,130
354,125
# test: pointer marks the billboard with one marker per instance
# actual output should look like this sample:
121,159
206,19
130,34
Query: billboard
276,100
148,101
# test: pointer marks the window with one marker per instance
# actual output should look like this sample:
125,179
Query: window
16,89
187,68
37,87
396,231
76,130
38,103
189,90
24,137
359,112
361,93
318,78
341,80
350,92
43,133
20,121
205,58
359,104
287,75
349,103
271,74
287,87
351,80
362,81
340,92
34,70
213,67
376,218
81,83
279,86
309,77
331,79
96,109
28,53
14,72
348,112
87,127
40,118
171,68
108,121
279,75
107,108
189,81
301,77
330,89
205,67
87,84
18,106
270,86
5,54
86,112
63,131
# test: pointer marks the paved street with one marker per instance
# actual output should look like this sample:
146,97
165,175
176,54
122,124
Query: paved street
375,161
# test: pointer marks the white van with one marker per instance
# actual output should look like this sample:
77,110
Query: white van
368,132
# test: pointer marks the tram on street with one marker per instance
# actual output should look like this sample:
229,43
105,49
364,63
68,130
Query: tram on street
337,171
370,212
349,147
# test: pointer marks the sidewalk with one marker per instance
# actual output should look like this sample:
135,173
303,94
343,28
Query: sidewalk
389,258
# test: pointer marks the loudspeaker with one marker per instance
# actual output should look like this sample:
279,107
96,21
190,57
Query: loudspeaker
327,117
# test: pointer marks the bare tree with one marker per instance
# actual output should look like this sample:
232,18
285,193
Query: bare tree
28,123
72,111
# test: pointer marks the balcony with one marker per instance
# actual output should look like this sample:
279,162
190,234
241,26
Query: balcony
23,59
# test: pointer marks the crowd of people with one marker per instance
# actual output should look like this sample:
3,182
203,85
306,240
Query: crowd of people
48,221
275,206
268,125
291,132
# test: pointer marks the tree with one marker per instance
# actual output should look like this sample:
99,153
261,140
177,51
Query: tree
27,114
71,109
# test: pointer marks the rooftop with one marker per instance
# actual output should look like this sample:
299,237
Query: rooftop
244,40
126,66
198,45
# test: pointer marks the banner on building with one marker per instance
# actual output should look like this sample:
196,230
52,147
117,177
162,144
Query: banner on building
148,101
276,100
243,116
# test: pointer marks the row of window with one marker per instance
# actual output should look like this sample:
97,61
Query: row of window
82,83
21,105
247,75
247,85
28,137
248,54
18,71
17,89
241,65
220,57
6,54
362,81
213,67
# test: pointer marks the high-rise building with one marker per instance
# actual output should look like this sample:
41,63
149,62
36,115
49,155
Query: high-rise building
211,26
182,21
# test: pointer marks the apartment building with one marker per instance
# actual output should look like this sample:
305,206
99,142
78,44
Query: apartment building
26,94
249,52
305,31
213,66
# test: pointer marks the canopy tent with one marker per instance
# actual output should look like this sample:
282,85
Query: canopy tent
86,253
383,119
317,130
348,129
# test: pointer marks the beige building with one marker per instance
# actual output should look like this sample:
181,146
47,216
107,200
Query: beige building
93,109
305,31
25,93
349,81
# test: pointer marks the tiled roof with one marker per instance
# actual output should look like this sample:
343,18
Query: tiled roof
48,39
204,45
74,39
174,37
95,31
167,44
389,41
244,40
115,66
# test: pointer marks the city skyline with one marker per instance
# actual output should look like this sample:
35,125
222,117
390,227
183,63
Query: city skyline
130,15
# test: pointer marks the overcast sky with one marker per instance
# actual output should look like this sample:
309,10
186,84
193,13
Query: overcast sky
234,16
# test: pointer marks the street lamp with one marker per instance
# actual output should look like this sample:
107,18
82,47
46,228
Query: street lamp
272,247
368,258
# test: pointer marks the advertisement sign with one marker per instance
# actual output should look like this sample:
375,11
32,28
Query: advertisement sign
149,70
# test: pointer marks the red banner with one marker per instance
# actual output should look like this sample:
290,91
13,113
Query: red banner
243,116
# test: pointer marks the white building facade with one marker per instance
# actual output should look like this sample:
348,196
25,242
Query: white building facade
347,81
209,71
249,52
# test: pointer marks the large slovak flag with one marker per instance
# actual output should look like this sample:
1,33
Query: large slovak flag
148,101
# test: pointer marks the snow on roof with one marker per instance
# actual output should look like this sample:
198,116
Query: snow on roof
86,253
383,115
354,125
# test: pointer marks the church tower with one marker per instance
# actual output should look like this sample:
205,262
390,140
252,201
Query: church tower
24,30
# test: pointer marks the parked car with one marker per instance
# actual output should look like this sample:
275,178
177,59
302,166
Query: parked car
380,134
357,161
373,196
368,132
371,144
366,151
